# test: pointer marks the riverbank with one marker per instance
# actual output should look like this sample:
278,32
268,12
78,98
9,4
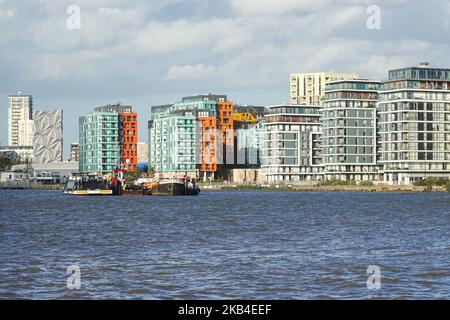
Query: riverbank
322,188
28,186
306,188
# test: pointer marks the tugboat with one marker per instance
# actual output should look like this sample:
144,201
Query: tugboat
96,185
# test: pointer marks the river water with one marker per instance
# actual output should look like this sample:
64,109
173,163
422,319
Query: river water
225,245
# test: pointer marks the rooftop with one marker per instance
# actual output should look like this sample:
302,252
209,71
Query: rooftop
117,108
422,72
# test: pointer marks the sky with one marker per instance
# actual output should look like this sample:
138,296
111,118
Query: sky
150,52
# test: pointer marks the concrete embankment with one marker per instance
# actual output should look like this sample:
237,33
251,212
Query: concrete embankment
319,188
280,187
28,186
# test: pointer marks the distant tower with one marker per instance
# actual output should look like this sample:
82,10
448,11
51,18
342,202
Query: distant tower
20,120
74,152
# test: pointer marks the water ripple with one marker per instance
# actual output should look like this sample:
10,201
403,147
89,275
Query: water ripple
225,245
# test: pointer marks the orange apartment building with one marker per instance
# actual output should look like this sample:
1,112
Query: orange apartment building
214,145
128,135
208,156
226,125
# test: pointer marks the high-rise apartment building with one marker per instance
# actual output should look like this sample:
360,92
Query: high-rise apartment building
128,138
309,88
287,145
20,120
172,148
128,134
194,134
349,130
414,112
108,140
208,154
99,142
226,127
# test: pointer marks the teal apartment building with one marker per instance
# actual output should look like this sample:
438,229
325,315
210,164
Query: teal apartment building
172,147
173,133
99,143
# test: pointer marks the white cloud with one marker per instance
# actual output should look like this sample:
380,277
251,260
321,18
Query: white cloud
110,11
196,72
7,13
274,7
219,35
133,49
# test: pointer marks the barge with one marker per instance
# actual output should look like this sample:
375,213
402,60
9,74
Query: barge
92,185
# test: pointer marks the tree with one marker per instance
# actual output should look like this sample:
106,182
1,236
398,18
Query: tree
7,163
131,177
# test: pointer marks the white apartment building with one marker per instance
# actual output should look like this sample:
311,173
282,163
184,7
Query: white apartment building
20,120
288,142
349,137
26,132
414,120
309,88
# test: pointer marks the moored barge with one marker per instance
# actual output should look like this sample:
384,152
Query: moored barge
117,186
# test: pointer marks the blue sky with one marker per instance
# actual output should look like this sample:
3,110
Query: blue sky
148,52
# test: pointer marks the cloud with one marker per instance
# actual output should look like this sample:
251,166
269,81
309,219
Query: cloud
216,34
149,50
198,71
7,13
110,11
275,7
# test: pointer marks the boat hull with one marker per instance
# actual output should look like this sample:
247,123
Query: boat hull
89,192
171,189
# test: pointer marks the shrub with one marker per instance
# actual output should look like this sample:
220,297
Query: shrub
336,182
366,183
432,181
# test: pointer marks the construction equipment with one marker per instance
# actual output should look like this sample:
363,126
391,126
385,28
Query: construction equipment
245,117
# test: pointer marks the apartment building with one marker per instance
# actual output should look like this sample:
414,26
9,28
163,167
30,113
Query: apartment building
172,149
287,147
20,120
128,134
99,142
309,88
349,130
193,134
108,139
414,120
